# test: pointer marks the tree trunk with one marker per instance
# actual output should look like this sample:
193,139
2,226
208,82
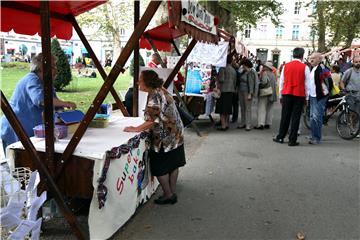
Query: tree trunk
321,26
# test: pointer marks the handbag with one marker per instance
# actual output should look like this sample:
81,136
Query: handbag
186,117
265,91
216,93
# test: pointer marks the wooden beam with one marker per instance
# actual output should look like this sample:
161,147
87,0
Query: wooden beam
97,63
156,52
48,85
175,47
180,63
114,73
44,173
135,106
174,72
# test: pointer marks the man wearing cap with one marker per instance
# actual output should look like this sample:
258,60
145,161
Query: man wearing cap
293,91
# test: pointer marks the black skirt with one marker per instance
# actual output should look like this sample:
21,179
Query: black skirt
162,163
224,103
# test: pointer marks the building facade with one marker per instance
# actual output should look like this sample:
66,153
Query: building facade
270,42
18,47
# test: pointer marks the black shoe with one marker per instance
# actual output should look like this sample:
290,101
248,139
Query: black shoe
267,126
293,144
163,200
261,127
278,140
241,127
222,129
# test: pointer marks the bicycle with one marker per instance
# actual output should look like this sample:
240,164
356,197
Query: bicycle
348,121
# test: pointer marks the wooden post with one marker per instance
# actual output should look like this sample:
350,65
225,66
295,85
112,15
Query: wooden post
44,173
114,73
180,62
48,85
135,107
174,72
175,47
97,63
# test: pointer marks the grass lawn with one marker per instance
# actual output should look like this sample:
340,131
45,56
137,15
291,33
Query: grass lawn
81,90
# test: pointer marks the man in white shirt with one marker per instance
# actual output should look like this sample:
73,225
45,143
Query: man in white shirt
319,88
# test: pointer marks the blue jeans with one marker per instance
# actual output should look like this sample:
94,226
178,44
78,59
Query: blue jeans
317,110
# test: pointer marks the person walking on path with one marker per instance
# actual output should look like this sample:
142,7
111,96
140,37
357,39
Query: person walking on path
227,85
247,90
293,91
266,98
166,133
320,86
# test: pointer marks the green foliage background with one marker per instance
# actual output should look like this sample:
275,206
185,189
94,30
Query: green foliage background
63,77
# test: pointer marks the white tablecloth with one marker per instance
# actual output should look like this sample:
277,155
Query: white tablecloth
122,181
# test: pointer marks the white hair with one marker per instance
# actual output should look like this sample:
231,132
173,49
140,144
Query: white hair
36,62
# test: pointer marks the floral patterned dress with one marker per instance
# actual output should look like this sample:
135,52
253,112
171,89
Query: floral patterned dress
168,130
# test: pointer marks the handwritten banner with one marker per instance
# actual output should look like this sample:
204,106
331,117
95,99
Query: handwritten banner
209,54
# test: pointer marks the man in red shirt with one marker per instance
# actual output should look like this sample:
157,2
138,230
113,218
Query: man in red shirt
293,91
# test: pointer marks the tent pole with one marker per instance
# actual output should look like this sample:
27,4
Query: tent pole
173,73
44,173
135,106
110,79
97,63
48,85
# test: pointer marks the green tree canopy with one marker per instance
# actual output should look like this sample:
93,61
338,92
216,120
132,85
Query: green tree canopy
63,77
236,15
336,23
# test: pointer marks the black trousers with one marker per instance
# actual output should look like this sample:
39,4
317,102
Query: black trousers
235,106
291,113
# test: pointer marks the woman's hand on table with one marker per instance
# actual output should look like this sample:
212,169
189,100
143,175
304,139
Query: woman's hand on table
131,129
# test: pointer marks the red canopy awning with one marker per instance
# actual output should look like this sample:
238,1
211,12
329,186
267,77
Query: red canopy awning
162,36
24,16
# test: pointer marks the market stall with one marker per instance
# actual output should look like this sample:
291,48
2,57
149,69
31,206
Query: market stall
201,50
30,17
118,170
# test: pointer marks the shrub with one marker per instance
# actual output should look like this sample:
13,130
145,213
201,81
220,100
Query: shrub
63,77
141,63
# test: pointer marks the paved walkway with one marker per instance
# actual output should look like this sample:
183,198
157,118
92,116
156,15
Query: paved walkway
241,185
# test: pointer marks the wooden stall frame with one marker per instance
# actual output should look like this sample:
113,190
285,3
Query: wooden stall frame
48,93
110,79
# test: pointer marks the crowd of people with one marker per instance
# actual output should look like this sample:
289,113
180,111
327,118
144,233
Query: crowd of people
302,82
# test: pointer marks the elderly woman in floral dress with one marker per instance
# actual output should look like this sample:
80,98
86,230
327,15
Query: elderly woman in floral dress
167,135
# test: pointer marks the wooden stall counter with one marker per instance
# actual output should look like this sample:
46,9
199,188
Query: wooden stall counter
109,166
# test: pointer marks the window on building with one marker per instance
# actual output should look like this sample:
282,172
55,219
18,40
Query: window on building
295,32
248,31
279,32
122,31
297,8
